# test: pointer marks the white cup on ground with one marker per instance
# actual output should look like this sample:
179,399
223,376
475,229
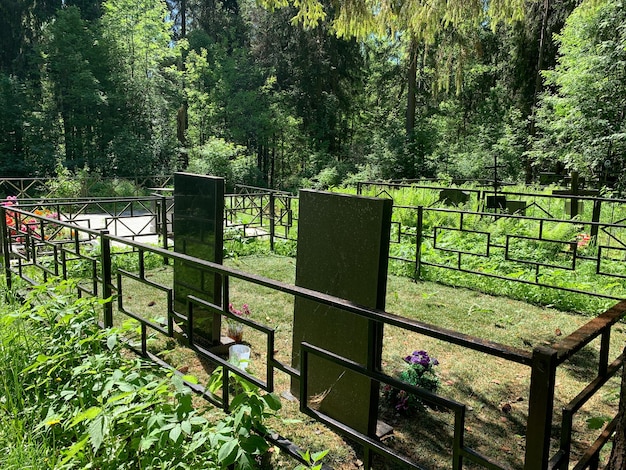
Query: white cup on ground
239,355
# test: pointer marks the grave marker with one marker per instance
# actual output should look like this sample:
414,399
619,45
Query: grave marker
574,206
454,197
198,232
343,245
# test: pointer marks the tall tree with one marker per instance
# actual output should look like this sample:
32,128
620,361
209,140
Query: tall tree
225,87
582,119
141,129
319,74
434,24
77,92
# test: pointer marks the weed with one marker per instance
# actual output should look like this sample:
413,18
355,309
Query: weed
71,389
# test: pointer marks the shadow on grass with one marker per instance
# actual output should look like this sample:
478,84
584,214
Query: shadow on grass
491,430
427,437
583,365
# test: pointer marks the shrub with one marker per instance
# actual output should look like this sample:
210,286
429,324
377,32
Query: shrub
218,157
90,406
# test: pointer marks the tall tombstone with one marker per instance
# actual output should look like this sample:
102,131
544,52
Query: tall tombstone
198,232
343,248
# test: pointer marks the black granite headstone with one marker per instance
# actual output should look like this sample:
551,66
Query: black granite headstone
516,207
454,197
496,202
198,232
343,245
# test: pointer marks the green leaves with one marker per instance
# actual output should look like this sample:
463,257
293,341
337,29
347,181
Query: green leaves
97,431
99,409
88,414
112,341
597,422
581,118
175,432
227,453
312,460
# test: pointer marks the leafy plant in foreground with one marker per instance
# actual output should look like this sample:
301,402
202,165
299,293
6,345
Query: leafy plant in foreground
93,407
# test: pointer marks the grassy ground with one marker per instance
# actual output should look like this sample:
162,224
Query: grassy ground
495,391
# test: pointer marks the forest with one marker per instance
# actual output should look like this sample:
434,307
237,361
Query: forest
288,94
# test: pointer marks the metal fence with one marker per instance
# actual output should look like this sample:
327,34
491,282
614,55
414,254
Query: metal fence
536,239
33,188
526,239
253,212
37,247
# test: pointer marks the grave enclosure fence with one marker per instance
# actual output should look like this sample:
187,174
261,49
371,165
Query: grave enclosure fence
33,188
530,241
54,248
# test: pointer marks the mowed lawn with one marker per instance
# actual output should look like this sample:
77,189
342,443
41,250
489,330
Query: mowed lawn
494,390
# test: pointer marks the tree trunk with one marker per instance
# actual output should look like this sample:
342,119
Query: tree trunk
412,90
271,179
617,461
538,78
528,168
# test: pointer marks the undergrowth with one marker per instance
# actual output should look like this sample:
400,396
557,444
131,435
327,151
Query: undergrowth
70,397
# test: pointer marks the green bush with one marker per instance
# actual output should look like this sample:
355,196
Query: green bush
83,403
218,157
85,183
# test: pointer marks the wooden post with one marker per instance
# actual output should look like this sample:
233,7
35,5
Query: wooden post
574,192
540,408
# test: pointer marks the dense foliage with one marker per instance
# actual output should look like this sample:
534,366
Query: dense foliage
72,397
312,94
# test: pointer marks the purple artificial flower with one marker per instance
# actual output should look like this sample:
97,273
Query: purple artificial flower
418,357
403,401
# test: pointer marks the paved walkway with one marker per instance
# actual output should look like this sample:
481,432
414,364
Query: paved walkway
142,227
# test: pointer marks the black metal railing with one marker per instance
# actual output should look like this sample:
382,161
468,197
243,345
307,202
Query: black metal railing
534,256
133,217
538,246
51,247
32,188
254,212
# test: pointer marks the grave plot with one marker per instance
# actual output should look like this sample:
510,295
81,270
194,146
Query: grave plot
487,351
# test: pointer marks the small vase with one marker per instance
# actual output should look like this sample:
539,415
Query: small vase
235,332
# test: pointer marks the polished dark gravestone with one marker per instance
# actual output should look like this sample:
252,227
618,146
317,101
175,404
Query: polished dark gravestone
453,197
198,232
343,247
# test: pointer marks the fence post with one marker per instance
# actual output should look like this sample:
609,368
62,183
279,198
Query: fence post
260,207
164,232
107,291
418,242
595,218
272,221
574,191
4,236
540,408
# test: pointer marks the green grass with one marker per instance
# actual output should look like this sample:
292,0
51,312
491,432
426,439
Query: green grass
484,383
525,251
